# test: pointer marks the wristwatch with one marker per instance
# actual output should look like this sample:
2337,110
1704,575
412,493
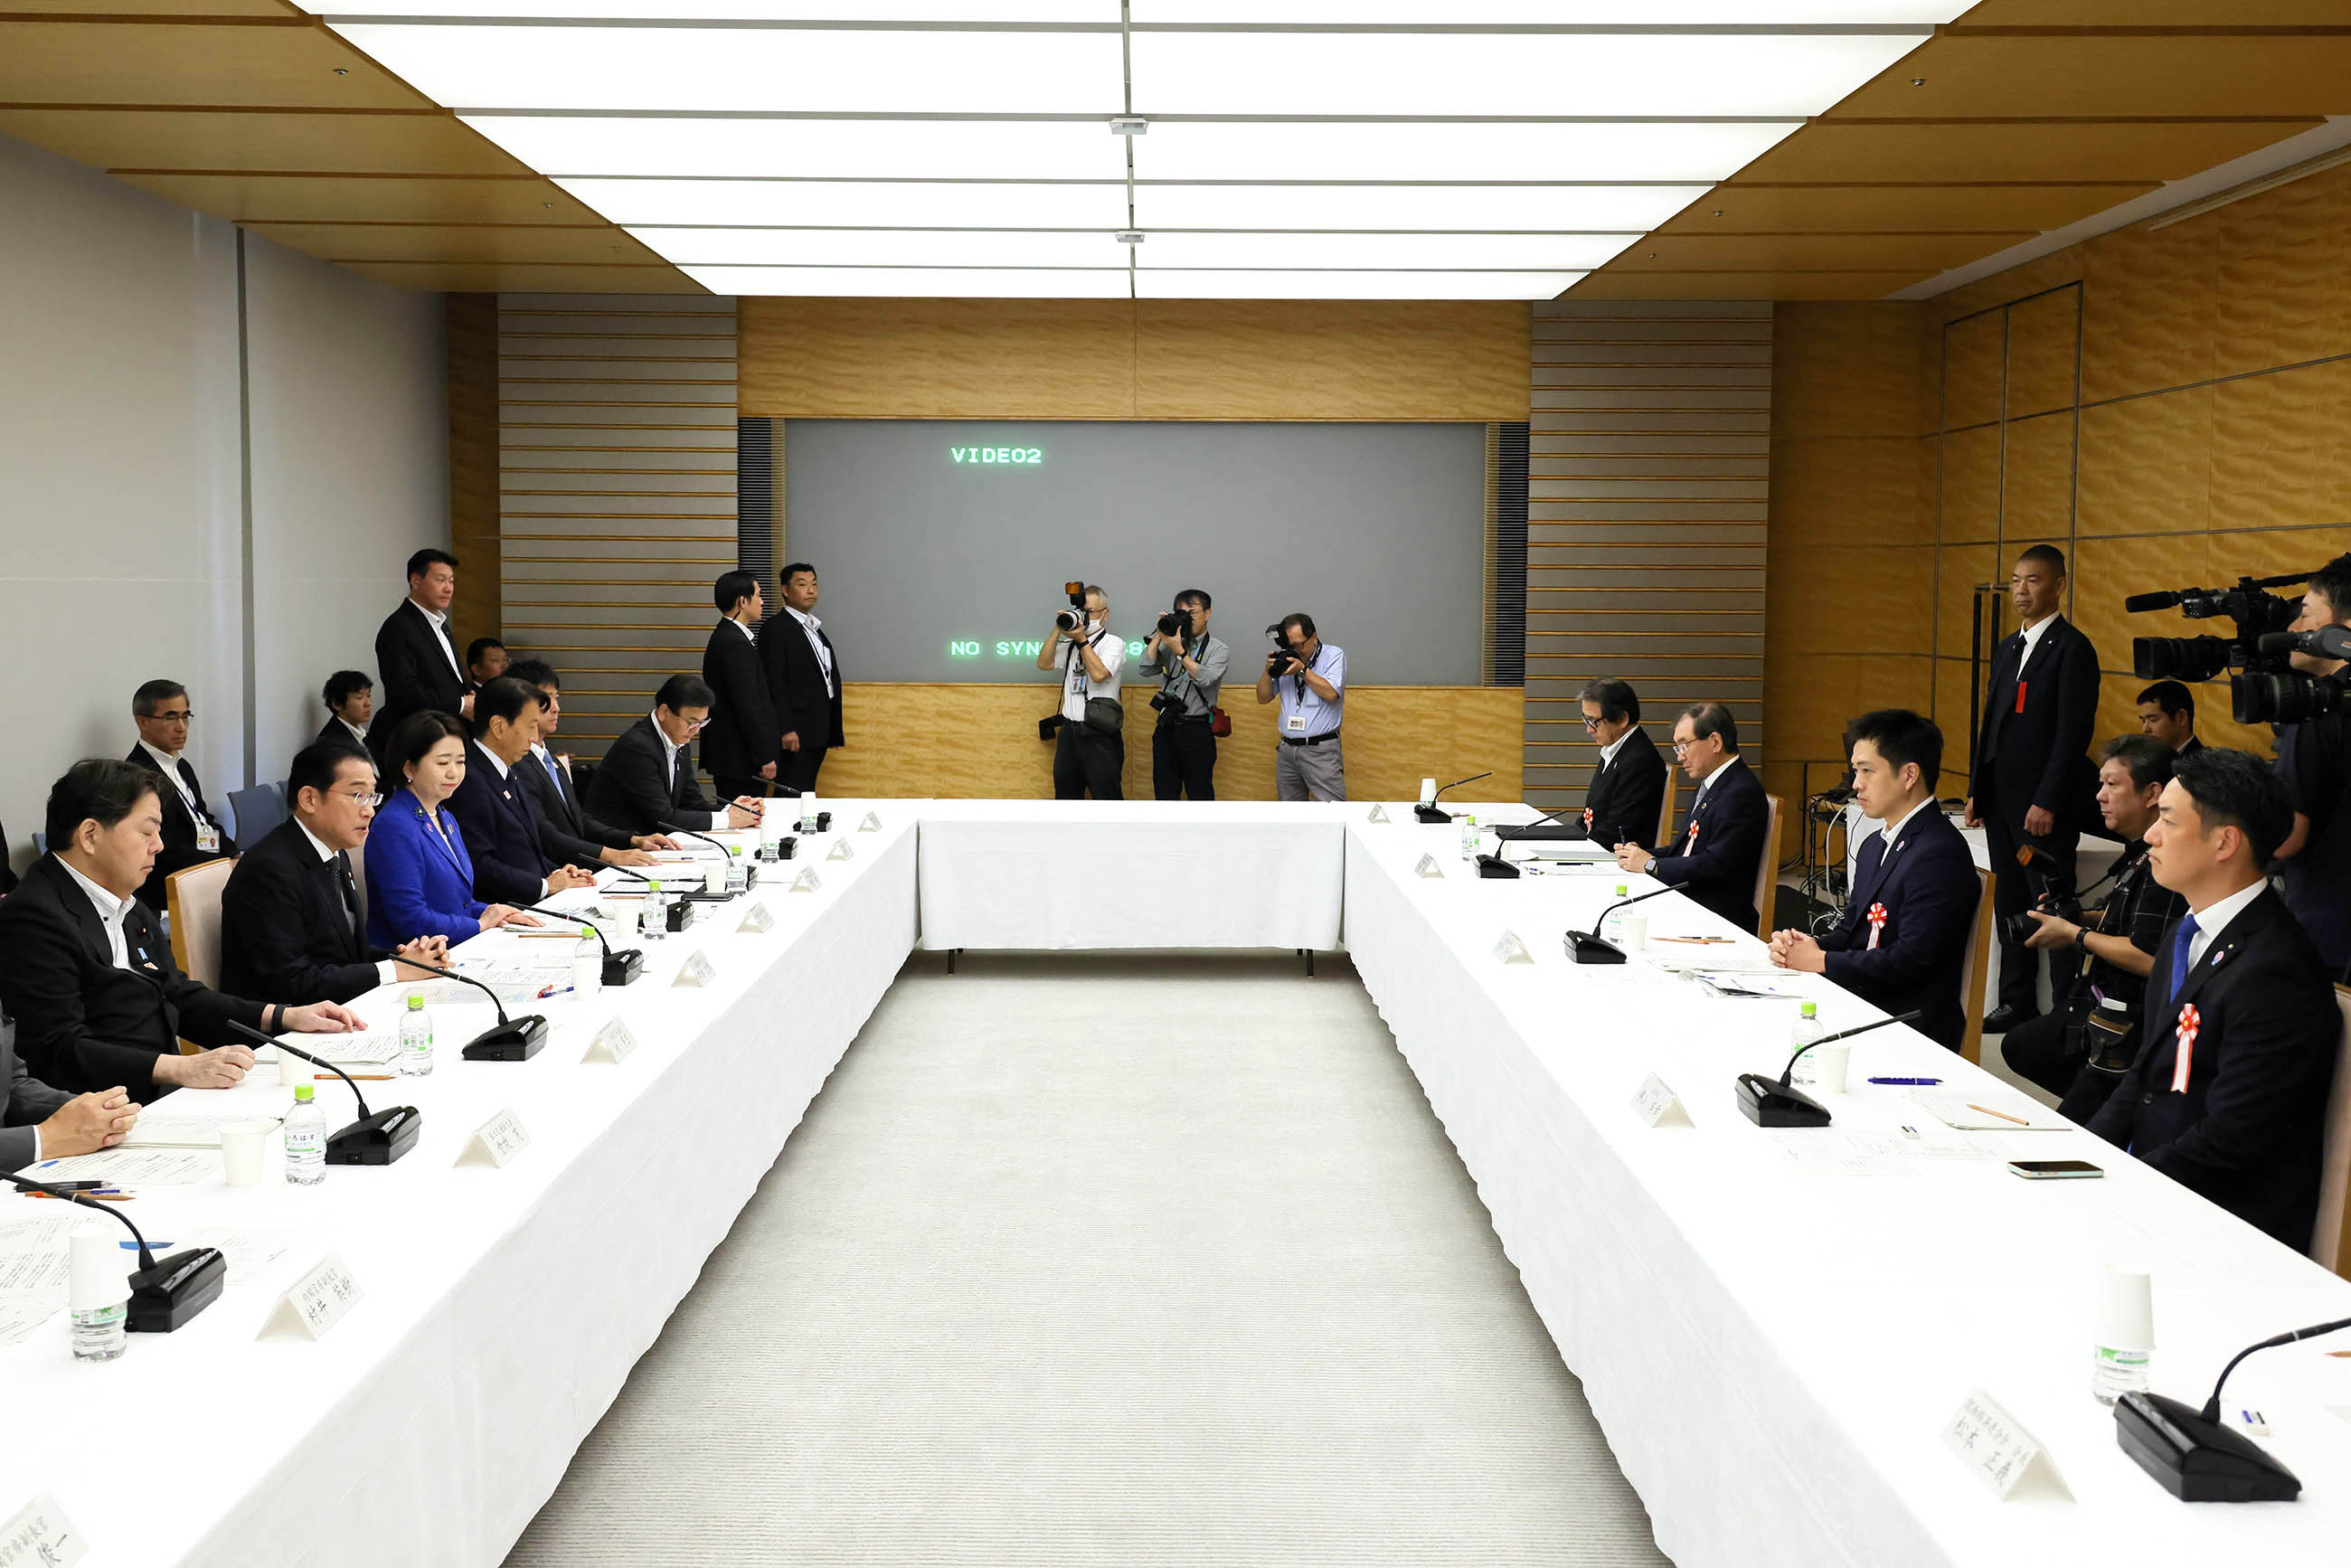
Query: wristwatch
2082,938
1650,867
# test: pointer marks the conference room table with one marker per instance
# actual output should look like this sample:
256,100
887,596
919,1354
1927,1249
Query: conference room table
1774,1328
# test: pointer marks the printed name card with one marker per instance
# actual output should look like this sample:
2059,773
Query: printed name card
698,969
496,1141
757,919
1428,867
1999,1451
613,1043
316,1304
1379,814
872,824
1658,1106
806,881
841,852
1508,949
40,1536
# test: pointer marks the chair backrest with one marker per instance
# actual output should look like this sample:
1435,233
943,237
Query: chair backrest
359,870
40,844
1976,973
1666,808
258,810
193,897
2330,1243
1767,875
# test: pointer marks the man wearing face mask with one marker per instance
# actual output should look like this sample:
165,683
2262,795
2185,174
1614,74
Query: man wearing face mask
1089,752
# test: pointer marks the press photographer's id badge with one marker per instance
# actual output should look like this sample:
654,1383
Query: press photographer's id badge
1298,724
208,838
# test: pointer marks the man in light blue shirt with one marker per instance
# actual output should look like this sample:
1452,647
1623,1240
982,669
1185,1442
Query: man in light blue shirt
1309,678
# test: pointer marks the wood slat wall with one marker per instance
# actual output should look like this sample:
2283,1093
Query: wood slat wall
1647,492
617,491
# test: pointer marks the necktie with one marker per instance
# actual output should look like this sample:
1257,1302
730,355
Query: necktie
2181,935
351,890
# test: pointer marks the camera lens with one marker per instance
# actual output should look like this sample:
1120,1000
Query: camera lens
2287,696
2179,658
1171,624
1067,619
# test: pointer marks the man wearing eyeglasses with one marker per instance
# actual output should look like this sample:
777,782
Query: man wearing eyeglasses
293,919
646,781
1716,859
191,833
1628,789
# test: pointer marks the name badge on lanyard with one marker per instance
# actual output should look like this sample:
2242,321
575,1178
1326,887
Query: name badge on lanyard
208,837
1297,722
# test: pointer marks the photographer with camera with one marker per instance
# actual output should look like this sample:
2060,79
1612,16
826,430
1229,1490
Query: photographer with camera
1089,746
1309,678
2079,1049
2314,861
1190,665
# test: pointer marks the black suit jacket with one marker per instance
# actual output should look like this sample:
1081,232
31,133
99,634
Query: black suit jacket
631,791
1928,887
2247,1132
335,732
803,703
2037,752
1622,804
567,835
743,735
501,834
180,851
417,667
1717,867
25,1104
284,934
83,1024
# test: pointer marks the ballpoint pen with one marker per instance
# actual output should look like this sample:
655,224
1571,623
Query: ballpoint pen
1920,1082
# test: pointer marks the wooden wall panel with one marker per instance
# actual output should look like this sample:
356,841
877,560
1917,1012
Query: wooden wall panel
2043,353
1974,366
472,326
2281,298
1958,569
2150,299
2036,488
2279,447
1970,507
978,740
2146,464
1058,358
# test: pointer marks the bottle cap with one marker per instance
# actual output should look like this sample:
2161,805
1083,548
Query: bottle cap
652,885
2124,1316
302,1093
101,1276
1808,1009
1622,889
415,1000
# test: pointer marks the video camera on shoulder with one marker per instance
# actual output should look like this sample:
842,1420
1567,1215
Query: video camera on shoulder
2266,688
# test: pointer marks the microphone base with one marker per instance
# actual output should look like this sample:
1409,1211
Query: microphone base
2198,1461
517,1041
1772,1104
711,897
175,1290
1586,947
1433,816
1497,868
623,966
376,1140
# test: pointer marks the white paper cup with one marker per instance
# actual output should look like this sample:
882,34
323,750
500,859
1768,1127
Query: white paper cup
1635,928
1823,1068
715,879
293,1072
621,929
2124,1317
242,1147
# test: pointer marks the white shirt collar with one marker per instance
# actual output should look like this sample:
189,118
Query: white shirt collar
356,731
438,617
741,627
538,749
1707,782
1608,752
506,769
1893,830
803,617
317,843
2032,634
668,745
2214,918
110,914
167,760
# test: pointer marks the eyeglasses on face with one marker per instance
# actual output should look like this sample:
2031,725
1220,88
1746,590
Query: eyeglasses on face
173,715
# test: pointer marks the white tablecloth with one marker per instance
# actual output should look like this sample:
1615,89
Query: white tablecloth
1772,1354
1131,873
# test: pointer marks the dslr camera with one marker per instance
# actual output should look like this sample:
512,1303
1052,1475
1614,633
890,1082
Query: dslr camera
1281,655
2266,687
2050,890
1073,619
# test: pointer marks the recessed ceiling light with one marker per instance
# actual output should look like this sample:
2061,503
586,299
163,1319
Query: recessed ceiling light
583,145
1680,152
856,203
1636,209
1545,13
918,283
1334,251
880,248
1200,285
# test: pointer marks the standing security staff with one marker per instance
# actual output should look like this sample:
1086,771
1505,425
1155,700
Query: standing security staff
1309,678
1087,755
804,679
1190,665
740,748
2032,764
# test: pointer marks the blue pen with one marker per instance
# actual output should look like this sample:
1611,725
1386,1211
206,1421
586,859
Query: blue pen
1920,1082
156,1245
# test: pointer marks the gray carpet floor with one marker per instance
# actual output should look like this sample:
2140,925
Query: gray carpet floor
1105,1261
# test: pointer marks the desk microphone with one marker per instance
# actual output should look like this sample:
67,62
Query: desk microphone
1427,810
2196,1456
376,1139
620,968
1777,1102
516,1040
162,1295
1591,947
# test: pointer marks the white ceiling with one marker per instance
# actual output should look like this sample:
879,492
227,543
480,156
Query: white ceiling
1296,149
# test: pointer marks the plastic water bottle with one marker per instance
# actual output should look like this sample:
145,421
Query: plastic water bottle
1468,837
306,1139
656,911
586,965
1612,928
99,1295
415,1038
738,869
1806,1029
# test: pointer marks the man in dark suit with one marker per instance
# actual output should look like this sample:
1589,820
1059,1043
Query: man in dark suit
492,807
566,834
292,921
350,705
2228,1094
90,977
2032,777
38,1123
742,747
646,779
1715,863
414,652
2167,710
192,833
1628,789
1903,943
804,678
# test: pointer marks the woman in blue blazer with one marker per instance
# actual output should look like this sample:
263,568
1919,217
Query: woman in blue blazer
420,878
